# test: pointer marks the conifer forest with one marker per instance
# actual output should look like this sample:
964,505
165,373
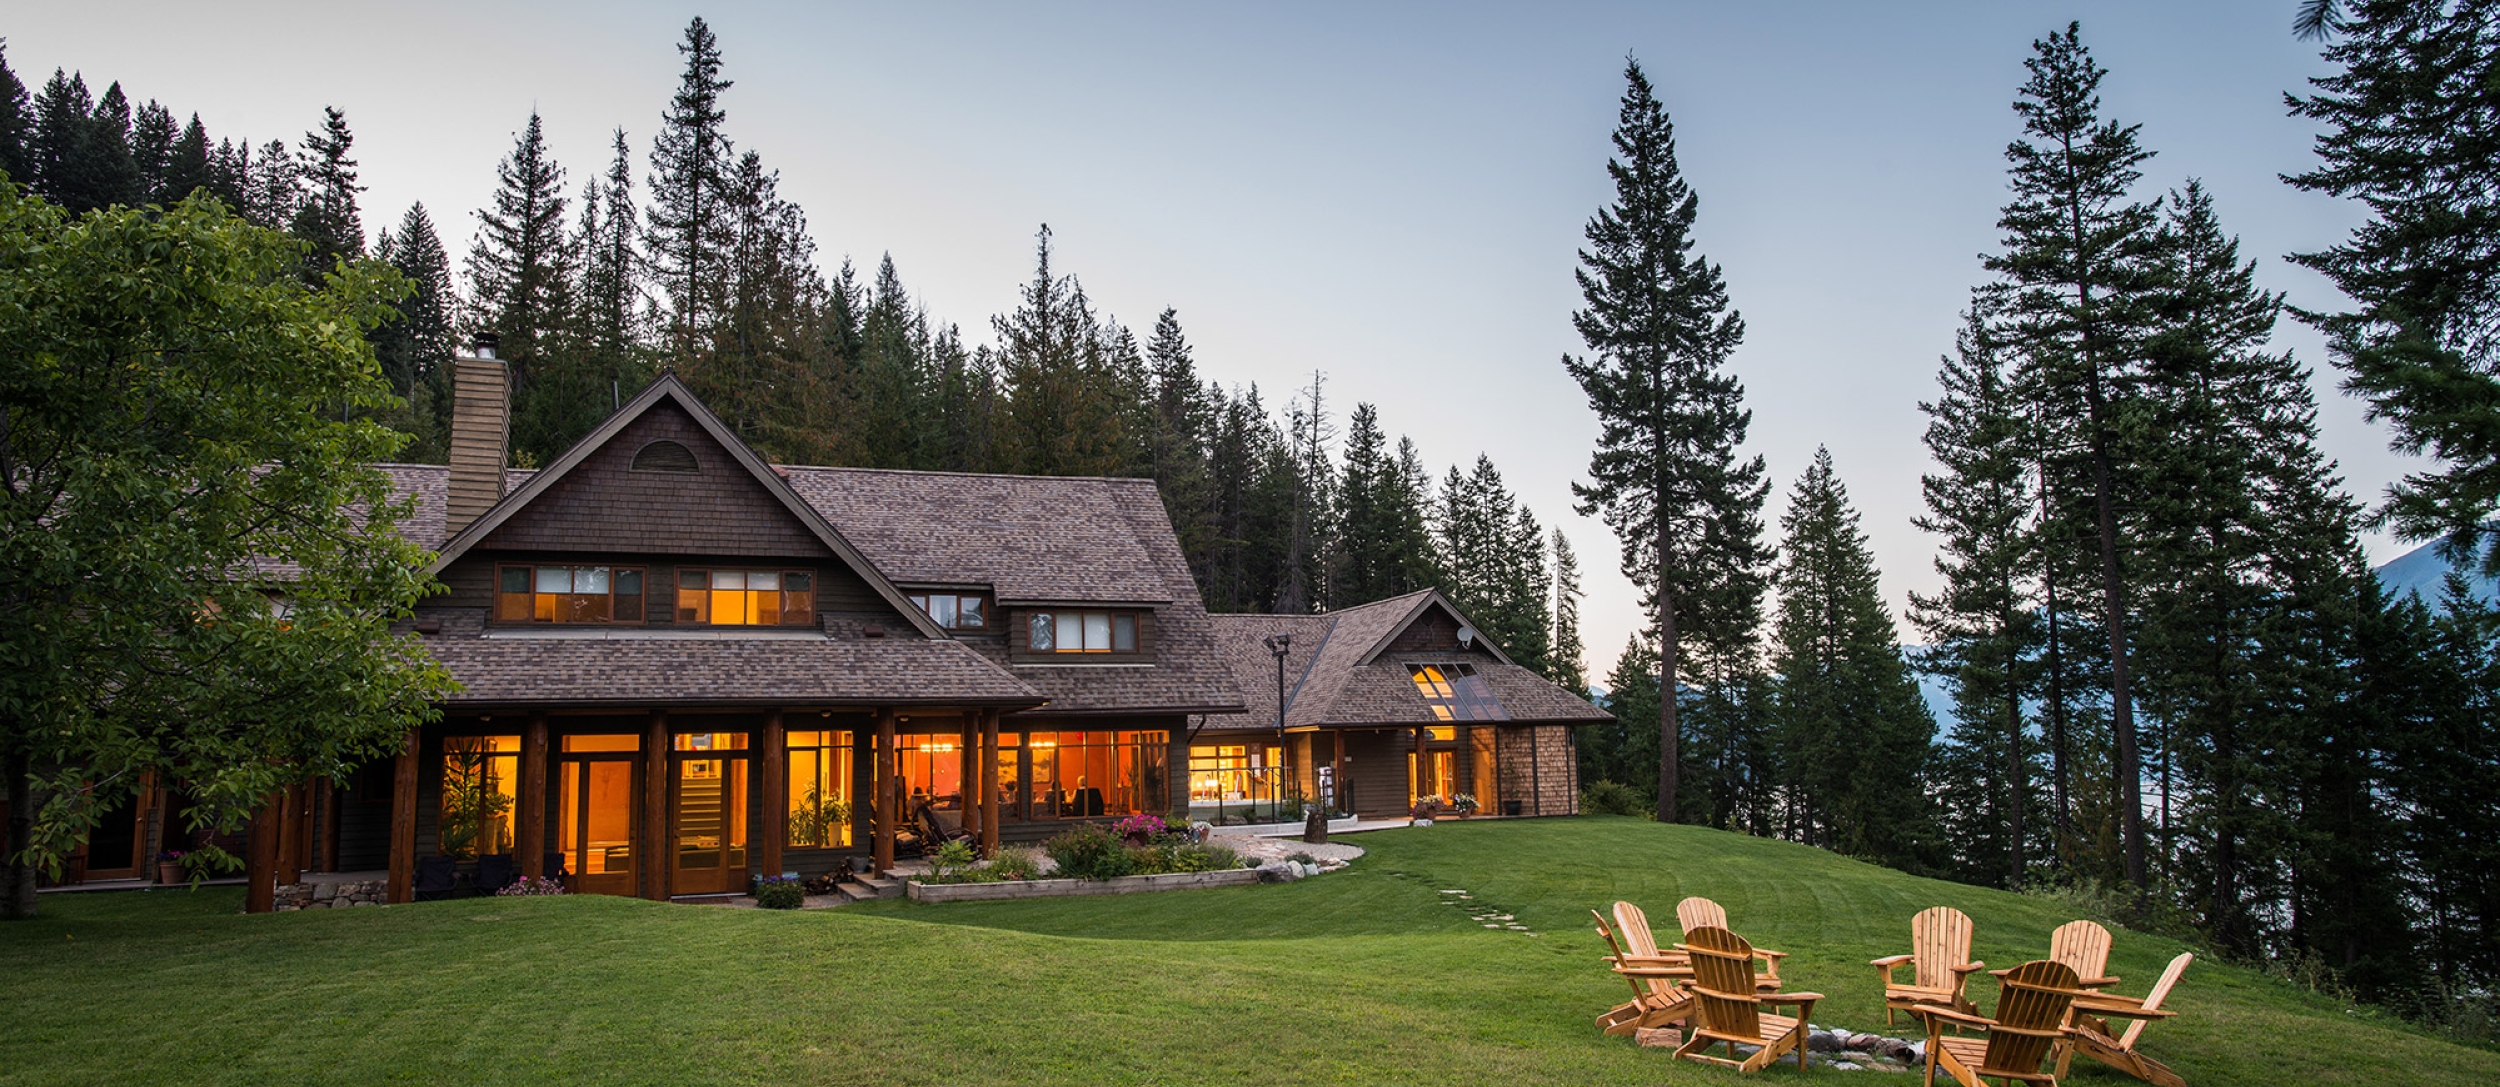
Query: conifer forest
2172,677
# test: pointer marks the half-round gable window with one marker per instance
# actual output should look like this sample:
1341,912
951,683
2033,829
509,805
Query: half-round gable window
665,456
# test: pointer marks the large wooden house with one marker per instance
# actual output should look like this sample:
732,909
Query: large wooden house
680,667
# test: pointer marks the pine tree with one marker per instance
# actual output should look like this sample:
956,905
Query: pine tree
327,217
1845,699
1980,626
272,185
689,226
2411,134
54,161
1177,446
1625,751
2074,271
416,349
152,136
608,299
768,342
521,272
1307,426
190,166
17,124
1064,414
1493,562
1566,665
1666,475
1382,546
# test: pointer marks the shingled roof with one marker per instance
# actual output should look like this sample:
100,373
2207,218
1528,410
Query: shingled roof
1031,539
1348,669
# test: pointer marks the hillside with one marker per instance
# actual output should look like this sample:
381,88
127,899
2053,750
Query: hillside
1363,976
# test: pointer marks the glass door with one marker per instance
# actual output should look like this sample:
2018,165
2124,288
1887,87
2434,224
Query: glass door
707,799
595,830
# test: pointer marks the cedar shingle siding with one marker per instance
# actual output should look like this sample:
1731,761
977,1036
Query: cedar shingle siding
604,506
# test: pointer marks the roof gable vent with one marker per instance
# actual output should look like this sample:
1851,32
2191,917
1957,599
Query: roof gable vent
666,456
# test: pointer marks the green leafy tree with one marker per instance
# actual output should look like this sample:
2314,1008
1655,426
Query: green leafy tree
200,568
1666,476
2411,133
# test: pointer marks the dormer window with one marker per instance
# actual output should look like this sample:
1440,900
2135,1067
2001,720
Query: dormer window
746,597
1456,693
1082,632
955,611
569,594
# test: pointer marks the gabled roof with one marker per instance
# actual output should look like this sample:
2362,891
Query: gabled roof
1031,539
667,389
1345,670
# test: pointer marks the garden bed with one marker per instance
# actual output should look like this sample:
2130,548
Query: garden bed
1064,888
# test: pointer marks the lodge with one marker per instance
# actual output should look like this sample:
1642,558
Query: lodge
680,666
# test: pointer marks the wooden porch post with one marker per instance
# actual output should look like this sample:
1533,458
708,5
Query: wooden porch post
403,886
329,793
260,855
655,846
1422,777
968,732
1464,764
889,799
1336,763
776,828
531,842
287,825
989,783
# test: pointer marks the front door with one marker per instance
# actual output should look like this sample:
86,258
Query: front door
596,831
707,814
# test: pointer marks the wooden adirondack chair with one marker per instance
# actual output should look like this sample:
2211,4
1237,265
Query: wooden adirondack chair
1641,943
2032,1004
2084,946
1657,998
2119,1052
1727,1005
1941,963
1700,913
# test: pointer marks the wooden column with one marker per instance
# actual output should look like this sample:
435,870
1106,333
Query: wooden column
328,791
403,887
1464,765
287,810
1336,762
776,766
531,797
889,800
655,850
260,855
1422,777
965,742
989,783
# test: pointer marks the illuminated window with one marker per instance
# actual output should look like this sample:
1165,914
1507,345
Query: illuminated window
820,789
734,598
569,594
954,611
1081,775
481,775
1455,692
1082,632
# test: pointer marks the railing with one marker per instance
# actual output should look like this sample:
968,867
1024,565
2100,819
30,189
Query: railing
1246,794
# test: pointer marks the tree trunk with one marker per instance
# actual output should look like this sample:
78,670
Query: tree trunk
17,897
1667,727
2061,818
2016,780
2113,605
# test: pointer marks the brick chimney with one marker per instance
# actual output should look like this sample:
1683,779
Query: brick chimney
481,433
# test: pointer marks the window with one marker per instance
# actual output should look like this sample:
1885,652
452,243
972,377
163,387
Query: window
1083,632
954,611
820,789
746,597
1080,775
666,456
1456,693
569,594
480,776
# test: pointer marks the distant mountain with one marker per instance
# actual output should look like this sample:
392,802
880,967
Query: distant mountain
2424,572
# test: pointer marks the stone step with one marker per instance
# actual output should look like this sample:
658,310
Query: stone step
876,886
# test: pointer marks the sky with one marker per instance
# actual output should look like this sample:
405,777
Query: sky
1390,195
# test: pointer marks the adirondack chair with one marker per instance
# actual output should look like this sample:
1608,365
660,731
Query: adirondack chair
1940,964
2032,1003
2084,946
2119,1052
1640,942
1728,1007
1657,999
1700,913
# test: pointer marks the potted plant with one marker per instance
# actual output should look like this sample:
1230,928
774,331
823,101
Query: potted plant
169,868
1464,804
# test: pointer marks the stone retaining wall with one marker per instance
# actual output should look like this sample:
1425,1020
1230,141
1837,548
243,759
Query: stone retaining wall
1060,888
325,896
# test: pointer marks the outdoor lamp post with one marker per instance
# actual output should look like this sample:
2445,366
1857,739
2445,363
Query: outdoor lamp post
1314,815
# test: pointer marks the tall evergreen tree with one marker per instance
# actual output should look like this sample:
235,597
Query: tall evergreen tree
2075,265
152,136
55,166
1177,445
2411,134
1566,665
1064,416
416,348
271,184
1666,475
190,165
326,217
17,124
109,174
689,223
1493,562
1382,546
521,274
1303,584
608,300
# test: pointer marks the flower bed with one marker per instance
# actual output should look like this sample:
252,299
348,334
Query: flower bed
1063,888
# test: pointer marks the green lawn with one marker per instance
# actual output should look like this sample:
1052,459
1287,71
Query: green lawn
1361,976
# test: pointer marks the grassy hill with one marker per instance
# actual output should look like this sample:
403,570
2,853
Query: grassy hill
1362,976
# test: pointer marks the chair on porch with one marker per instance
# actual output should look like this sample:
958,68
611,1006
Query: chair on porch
1940,964
1699,913
495,872
940,826
2032,1004
1657,998
1728,1006
436,878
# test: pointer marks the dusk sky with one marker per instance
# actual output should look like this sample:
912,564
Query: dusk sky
1389,194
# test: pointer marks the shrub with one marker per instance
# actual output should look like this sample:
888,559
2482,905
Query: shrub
529,885
1013,864
1141,829
1611,798
1464,803
779,893
953,862
1204,858
1090,852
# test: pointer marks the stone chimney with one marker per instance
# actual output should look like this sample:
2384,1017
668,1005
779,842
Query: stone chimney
481,433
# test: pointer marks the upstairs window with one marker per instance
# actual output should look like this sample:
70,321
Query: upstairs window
569,594
1456,693
760,598
955,611
666,456
1082,632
